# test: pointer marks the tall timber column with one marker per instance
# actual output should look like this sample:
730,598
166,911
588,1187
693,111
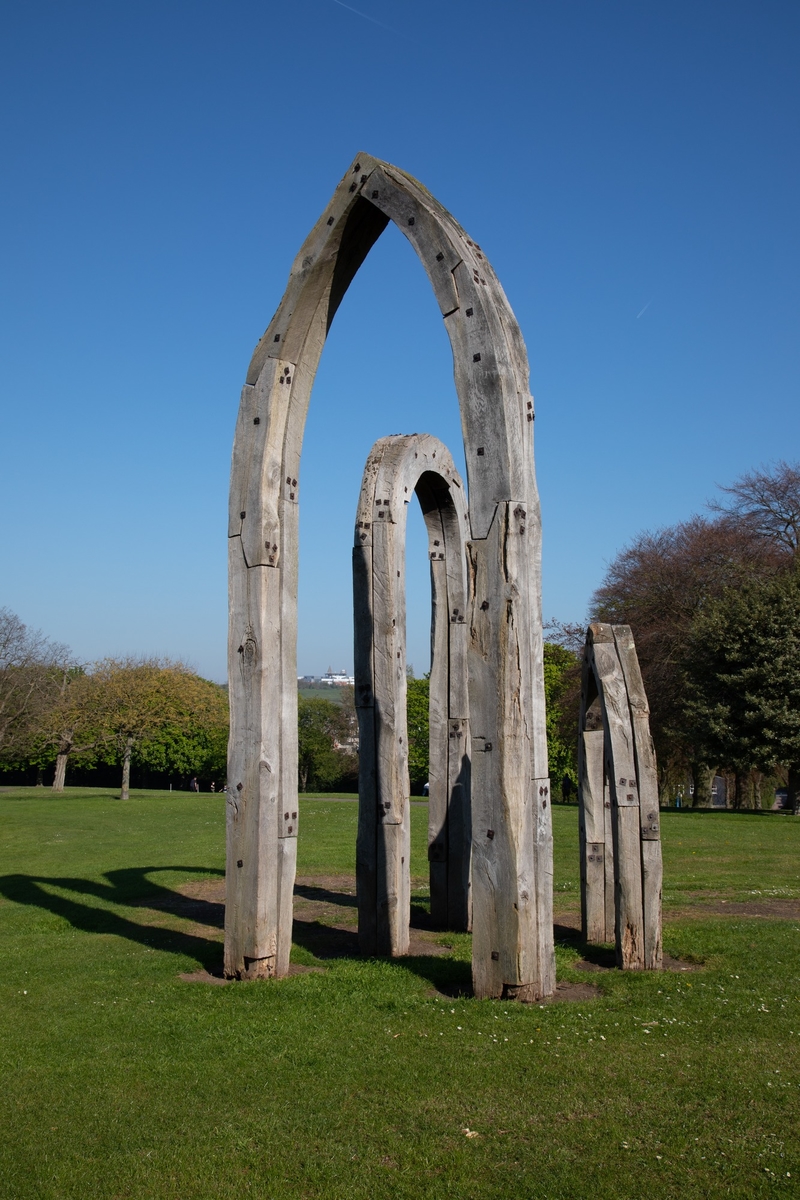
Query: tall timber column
620,836
512,847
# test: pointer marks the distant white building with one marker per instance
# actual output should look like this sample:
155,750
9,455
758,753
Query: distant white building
331,678
337,678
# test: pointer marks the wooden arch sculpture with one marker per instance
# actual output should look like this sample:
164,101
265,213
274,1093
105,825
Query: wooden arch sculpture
397,468
512,848
618,798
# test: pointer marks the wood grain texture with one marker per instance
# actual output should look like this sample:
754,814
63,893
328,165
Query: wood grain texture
251,910
491,373
647,775
610,865
511,817
592,826
438,757
396,469
623,787
617,761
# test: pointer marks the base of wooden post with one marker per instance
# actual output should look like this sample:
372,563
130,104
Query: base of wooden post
524,993
255,968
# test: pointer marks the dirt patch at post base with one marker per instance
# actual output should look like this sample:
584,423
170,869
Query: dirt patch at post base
326,924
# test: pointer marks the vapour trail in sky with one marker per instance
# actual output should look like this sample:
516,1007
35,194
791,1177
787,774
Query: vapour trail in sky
364,15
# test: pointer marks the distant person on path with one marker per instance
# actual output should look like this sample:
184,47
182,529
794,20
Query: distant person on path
193,784
213,786
426,789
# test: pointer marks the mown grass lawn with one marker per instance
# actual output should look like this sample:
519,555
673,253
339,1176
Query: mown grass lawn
367,1079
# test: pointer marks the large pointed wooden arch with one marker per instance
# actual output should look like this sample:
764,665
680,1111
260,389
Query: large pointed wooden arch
512,844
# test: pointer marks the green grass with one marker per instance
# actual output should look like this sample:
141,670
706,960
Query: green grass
119,1080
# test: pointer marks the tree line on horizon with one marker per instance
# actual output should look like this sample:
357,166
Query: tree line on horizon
713,603
159,718
714,606
153,714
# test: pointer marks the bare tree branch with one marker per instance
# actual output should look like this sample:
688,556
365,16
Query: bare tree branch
31,668
768,502
569,634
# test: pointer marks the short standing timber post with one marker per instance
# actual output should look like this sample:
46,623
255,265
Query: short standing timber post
397,468
618,797
512,842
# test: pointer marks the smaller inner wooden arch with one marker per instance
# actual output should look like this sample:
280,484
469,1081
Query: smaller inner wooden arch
398,467
620,843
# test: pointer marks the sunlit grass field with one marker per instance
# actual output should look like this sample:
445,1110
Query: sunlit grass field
374,1078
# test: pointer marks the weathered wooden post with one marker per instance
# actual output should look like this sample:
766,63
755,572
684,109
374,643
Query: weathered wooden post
618,799
397,468
512,845
596,837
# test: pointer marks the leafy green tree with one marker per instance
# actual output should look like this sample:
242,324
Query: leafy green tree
325,736
152,713
742,699
66,729
417,707
658,585
32,670
664,579
155,712
195,747
561,672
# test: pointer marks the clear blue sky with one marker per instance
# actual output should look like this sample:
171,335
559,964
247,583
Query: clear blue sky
630,169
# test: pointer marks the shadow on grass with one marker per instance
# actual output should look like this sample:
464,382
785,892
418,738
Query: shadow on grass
325,895
325,941
421,917
420,908
129,886
448,976
331,942
132,887
602,957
